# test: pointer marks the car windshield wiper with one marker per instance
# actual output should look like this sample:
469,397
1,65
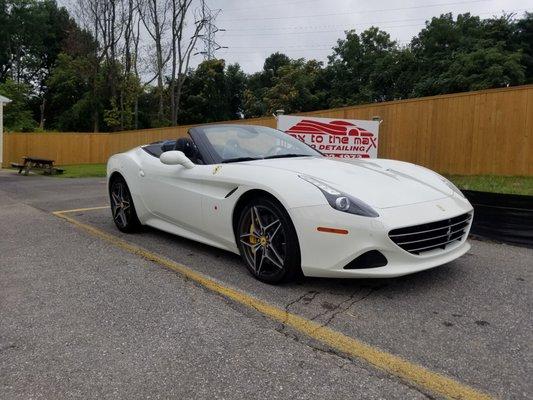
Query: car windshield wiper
237,159
287,156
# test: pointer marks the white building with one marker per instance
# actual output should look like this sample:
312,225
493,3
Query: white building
3,101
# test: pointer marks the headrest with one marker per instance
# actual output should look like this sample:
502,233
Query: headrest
187,146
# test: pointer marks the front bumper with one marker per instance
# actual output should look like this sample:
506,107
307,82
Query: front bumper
326,254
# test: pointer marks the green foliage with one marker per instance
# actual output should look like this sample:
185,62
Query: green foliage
361,67
68,94
213,92
467,54
524,41
482,69
235,85
17,115
296,87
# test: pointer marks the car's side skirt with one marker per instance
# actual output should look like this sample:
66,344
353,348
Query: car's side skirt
165,226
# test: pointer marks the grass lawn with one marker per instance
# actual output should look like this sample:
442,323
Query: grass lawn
496,184
82,171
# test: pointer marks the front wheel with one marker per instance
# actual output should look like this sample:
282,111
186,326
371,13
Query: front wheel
122,207
268,242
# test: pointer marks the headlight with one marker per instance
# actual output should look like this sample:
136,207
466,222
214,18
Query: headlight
342,201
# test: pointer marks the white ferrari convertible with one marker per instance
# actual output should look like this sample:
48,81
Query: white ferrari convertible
287,209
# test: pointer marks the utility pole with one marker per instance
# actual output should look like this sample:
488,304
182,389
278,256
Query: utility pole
210,30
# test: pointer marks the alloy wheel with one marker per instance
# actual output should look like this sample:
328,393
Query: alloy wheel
263,240
120,204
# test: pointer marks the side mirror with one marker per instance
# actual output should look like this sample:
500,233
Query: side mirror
175,157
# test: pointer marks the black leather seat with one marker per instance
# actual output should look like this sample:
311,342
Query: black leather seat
188,148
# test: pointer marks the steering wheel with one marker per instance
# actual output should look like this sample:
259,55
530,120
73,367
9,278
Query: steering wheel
274,151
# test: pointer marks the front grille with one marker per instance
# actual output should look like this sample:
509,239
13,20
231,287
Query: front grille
434,235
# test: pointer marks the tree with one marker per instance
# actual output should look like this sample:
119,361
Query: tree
259,83
17,114
482,69
33,34
466,53
181,50
524,38
296,88
153,14
126,64
360,67
235,86
131,78
68,85
272,65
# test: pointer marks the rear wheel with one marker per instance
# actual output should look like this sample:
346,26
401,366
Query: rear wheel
268,242
122,207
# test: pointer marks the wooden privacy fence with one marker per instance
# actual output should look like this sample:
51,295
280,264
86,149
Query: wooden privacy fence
484,132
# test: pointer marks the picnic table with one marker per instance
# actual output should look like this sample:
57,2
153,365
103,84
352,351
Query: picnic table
29,163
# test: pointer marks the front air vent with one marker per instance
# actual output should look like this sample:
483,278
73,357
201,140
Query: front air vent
434,235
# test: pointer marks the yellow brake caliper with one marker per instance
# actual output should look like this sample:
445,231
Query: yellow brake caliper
253,240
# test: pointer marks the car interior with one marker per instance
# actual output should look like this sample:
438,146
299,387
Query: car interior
185,145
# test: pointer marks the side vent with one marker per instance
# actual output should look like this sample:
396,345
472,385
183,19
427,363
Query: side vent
230,192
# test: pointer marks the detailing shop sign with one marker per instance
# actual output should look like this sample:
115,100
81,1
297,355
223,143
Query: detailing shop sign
340,138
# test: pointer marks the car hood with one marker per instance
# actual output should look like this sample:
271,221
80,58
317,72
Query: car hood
378,182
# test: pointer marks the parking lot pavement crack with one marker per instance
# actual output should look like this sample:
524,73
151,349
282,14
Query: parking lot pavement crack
307,297
347,360
341,307
344,305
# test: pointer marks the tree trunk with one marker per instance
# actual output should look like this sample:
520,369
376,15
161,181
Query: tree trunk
41,108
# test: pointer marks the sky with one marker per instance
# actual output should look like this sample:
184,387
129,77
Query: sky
253,29
310,28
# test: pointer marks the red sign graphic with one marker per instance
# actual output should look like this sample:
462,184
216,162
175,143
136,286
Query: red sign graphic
334,138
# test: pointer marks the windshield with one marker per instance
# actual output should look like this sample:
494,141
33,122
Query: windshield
243,143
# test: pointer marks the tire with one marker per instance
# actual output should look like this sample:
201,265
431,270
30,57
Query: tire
122,207
268,242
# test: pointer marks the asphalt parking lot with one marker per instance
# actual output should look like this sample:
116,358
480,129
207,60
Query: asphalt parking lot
84,318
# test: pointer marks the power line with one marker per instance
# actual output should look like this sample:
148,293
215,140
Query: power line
230,34
344,27
279,47
289,51
356,12
283,3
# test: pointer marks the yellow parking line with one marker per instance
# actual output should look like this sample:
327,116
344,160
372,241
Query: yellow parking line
395,365
79,210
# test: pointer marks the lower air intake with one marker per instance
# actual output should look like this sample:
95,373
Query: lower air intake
370,259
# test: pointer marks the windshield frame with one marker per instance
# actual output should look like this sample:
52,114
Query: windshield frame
210,155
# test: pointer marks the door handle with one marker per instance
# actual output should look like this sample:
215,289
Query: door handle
141,173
